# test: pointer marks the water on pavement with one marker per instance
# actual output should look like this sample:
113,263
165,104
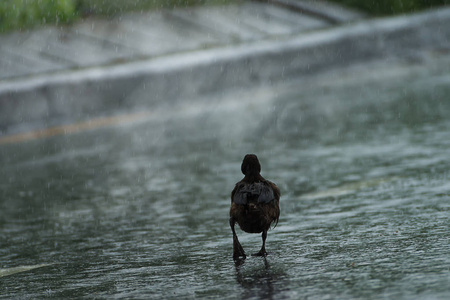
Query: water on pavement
141,210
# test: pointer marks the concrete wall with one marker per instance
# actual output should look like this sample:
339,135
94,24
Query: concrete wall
85,93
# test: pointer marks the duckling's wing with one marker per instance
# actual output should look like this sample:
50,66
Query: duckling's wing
265,193
240,194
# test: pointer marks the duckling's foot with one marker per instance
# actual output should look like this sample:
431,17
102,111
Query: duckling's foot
239,256
238,251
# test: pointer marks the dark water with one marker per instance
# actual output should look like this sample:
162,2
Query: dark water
362,157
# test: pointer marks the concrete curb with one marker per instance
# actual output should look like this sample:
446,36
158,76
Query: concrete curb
81,94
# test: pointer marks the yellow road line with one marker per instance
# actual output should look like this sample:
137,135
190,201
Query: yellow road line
20,269
73,128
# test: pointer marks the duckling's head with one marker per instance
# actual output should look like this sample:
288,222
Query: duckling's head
250,165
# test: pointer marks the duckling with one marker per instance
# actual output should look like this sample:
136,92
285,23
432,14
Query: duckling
254,205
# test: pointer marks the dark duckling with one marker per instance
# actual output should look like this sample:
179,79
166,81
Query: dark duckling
254,205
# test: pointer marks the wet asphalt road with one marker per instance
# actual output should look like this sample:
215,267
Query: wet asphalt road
140,209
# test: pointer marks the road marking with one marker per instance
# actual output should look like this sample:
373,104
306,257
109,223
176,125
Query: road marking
20,269
74,128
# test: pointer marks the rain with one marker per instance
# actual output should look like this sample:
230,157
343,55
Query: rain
123,127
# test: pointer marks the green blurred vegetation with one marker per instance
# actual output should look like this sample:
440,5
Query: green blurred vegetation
24,14
391,7
19,14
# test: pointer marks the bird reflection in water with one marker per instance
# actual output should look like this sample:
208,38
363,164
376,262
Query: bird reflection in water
259,281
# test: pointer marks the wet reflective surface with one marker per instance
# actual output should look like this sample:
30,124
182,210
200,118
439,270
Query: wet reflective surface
141,210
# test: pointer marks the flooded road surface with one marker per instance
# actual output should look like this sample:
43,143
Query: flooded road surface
140,210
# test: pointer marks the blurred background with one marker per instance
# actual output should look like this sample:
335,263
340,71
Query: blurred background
23,14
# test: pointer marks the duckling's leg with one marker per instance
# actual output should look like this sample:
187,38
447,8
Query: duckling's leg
263,252
237,248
